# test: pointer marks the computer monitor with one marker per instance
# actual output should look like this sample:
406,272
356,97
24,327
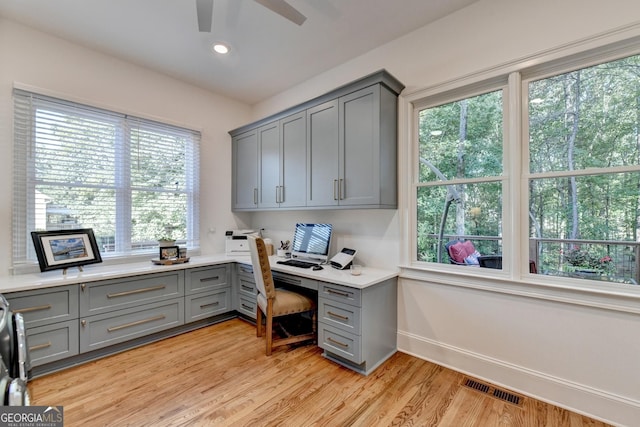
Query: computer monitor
311,242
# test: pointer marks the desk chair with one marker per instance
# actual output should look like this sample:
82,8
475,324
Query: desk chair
274,303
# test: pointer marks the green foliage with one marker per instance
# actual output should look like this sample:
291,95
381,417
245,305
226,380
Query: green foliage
587,119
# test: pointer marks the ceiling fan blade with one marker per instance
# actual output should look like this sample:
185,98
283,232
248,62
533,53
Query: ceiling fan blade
284,9
204,9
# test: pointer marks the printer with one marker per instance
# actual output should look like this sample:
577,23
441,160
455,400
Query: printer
236,241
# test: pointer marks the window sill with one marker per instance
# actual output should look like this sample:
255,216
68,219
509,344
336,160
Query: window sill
603,295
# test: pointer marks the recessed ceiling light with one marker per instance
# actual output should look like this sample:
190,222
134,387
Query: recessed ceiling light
221,48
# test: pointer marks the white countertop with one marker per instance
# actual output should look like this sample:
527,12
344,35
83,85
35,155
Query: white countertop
95,272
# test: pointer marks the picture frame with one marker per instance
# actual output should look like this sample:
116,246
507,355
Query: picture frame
62,249
169,252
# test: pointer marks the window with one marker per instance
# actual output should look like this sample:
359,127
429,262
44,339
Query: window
131,180
566,192
584,164
459,188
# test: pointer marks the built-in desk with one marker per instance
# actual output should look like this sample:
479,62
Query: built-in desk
104,309
357,315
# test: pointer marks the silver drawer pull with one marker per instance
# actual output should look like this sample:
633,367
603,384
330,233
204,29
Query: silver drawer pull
136,323
342,294
343,345
136,291
40,346
345,318
30,309
209,279
247,288
246,307
213,304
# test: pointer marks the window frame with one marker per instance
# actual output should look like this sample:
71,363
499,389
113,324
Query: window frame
23,260
438,99
515,277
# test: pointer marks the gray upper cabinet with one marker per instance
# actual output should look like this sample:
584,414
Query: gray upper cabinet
293,155
367,148
282,162
335,151
269,165
322,162
245,170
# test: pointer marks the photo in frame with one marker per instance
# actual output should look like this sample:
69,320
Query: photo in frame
169,252
62,249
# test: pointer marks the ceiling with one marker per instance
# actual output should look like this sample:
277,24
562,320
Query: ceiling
269,53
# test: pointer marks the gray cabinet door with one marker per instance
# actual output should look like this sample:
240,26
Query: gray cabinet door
41,307
359,147
53,342
269,165
245,171
293,154
322,154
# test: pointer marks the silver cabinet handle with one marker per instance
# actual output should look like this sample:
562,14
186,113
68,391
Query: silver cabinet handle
330,313
136,323
40,346
213,304
342,294
209,279
336,190
341,189
338,343
136,291
280,194
255,196
30,309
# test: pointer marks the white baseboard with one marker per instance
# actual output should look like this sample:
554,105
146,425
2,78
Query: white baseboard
579,398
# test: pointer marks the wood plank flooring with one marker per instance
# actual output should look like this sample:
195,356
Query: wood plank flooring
219,376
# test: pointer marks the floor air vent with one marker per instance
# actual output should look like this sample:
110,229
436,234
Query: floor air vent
493,391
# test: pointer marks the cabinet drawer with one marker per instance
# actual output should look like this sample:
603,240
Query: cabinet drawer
102,297
340,343
204,279
45,306
247,287
245,270
342,316
206,305
247,306
107,329
283,280
52,342
340,293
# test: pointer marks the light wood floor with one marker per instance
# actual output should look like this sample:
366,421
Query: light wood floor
219,376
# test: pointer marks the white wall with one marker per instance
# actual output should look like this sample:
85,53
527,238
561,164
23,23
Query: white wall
580,357
60,68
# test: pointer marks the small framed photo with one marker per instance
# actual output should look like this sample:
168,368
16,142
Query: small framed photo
62,249
169,252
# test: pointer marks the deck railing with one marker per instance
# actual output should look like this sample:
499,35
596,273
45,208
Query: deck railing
620,260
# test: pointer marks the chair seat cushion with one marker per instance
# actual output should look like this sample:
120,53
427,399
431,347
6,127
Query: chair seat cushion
287,302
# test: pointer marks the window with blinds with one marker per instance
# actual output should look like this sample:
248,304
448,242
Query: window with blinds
132,180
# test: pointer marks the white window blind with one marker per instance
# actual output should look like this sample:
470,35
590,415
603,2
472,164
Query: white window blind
131,180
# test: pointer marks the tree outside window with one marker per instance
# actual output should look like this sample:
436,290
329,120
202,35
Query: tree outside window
584,159
459,190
